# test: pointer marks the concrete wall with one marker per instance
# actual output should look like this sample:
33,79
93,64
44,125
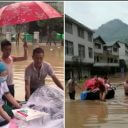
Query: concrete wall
77,40
122,53
98,50
115,53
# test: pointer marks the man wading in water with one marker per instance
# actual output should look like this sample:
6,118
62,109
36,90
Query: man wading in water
71,84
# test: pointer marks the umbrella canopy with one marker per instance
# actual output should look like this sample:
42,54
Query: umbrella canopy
23,12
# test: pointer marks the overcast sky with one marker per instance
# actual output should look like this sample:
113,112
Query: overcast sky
95,13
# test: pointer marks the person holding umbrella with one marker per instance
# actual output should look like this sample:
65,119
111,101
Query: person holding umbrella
8,59
19,13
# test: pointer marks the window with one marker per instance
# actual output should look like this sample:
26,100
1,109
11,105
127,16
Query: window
81,50
90,37
94,58
108,60
97,46
97,59
101,58
80,32
68,27
69,48
105,48
111,60
126,53
90,52
115,49
115,61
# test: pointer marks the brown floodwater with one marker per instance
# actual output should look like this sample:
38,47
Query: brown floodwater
96,114
53,54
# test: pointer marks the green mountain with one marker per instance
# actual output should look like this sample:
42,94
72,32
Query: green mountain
113,30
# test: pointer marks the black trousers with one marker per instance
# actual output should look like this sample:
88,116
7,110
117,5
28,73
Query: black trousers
3,123
31,91
12,91
72,95
9,112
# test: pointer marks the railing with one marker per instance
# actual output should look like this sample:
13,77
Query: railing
107,64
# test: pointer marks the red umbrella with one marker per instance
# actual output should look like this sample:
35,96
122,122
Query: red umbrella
24,12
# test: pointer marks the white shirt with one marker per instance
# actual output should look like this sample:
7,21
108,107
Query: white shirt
37,79
9,63
3,89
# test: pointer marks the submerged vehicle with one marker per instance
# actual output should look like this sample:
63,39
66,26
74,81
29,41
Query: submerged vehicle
90,95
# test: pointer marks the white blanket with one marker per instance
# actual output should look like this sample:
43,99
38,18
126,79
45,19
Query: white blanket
48,99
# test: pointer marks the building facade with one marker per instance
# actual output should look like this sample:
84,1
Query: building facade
106,56
79,52
85,56
123,52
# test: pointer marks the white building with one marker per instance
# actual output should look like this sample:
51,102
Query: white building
106,55
98,51
79,53
123,52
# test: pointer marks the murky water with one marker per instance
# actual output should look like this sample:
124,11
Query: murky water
96,114
53,54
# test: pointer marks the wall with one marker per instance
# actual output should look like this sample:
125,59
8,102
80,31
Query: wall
77,40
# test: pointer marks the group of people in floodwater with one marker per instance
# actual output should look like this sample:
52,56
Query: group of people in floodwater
35,74
94,84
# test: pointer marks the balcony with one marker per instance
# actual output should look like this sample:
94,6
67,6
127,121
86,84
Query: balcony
106,64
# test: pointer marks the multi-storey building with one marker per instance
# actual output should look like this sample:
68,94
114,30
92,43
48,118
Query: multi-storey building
106,55
79,52
123,52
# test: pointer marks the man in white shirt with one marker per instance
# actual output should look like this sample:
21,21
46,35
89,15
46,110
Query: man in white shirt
36,72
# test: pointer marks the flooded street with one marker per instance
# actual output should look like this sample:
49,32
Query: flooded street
96,114
53,55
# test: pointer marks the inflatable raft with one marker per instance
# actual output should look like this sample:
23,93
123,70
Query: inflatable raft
88,95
